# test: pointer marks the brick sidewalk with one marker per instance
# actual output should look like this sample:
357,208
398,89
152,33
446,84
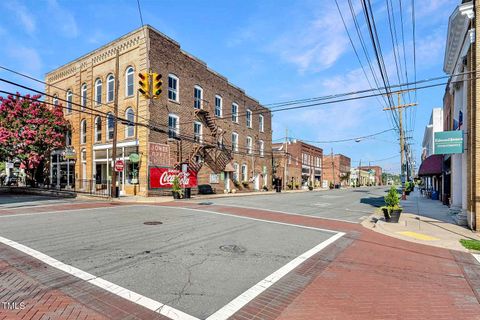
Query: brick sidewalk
33,290
367,275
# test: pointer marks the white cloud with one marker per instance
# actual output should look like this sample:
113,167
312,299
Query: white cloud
64,19
23,16
316,46
28,58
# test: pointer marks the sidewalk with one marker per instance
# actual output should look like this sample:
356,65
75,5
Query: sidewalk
423,221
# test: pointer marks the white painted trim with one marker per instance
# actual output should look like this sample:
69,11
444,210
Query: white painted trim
129,295
236,304
119,145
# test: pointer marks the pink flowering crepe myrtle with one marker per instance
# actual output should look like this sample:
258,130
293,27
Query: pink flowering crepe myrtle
30,130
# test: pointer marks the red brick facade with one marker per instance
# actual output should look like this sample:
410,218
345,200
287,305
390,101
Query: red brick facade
209,152
336,169
304,164
377,176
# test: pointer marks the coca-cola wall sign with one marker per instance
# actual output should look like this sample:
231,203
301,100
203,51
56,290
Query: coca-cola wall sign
163,178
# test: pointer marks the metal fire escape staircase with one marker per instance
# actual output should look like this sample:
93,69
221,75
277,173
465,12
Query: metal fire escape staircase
215,155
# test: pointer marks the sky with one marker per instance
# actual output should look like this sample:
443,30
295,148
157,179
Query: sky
275,50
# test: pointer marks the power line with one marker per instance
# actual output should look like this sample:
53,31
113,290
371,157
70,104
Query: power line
348,139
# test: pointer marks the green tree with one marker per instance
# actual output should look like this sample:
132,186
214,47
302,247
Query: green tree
30,130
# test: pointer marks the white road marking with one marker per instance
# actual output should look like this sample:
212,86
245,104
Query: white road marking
239,302
322,204
476,256
131,296
254,219
284,212
69,210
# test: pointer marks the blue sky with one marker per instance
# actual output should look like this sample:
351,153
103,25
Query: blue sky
275,50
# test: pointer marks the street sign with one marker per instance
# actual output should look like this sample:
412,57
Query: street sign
448,142
119,165
134,157
69,153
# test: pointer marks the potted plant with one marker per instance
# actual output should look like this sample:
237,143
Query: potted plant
297,185
310,186
290,185
177,191
407,188
392,208
331,186
245,184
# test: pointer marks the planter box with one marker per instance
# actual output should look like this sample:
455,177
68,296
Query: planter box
393,217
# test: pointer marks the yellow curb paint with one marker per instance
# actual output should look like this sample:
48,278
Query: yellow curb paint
418,236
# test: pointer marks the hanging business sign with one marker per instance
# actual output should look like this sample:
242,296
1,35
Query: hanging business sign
163,178
448,142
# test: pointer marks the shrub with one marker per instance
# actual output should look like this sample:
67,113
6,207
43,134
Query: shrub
391,199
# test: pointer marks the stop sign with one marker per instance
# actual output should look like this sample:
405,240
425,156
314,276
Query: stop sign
119,165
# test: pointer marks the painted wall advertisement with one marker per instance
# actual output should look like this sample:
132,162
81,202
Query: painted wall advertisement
163,178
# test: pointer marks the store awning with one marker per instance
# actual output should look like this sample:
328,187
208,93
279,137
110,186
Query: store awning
431,166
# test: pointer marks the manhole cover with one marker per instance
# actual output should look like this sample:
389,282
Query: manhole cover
232,248
152,223
207,203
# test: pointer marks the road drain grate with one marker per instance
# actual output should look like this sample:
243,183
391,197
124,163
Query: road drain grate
207,203
152,223
232,248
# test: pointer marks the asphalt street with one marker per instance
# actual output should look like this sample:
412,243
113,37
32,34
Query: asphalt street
194,261
352,205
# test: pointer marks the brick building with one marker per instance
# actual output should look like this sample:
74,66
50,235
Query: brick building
336,169
200,119
375,174
303,164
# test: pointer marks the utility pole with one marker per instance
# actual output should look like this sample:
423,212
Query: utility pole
358,173
400,108
115,117
333,167
285,163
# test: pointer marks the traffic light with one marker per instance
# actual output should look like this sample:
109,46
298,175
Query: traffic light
156,85
144,85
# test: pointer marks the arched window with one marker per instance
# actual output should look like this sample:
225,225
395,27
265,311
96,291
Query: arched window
69,101
129,89
110,87
98,92
261,147
130,128
84,96
55,100
83,131
244,172
110,125
98,129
